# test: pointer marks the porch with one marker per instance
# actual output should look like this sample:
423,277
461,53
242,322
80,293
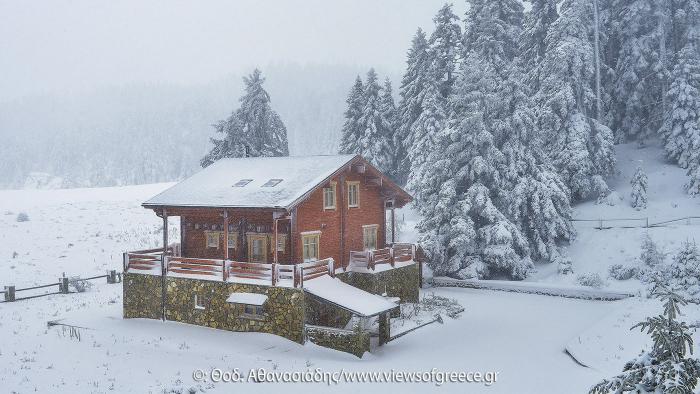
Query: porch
169,262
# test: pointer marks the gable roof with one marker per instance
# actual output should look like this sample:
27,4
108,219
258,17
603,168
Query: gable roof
214,186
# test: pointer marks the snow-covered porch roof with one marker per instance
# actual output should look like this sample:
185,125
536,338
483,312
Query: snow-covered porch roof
348,297
263,182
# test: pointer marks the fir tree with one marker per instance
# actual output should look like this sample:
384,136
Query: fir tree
410,106
533,43
375,131
390,124
580,147
640,184
681,128
640,71
684,271
667,367
254,129
350,133
444,47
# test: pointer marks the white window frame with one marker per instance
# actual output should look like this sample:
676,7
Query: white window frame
198,304
208,234
356,186
304,245
329,196
375,229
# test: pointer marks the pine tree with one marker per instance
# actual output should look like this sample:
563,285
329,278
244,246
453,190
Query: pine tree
444,47
493,30
375,131
684,270
666,367
254,129
350,132
410,106
579,146
533,42
640,184
640,71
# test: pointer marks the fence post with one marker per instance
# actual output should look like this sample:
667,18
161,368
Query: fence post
63,285
112,276
125,261
9,293
647,221
600,224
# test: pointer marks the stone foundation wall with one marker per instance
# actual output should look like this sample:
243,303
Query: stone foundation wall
355,342
142,295
283,310
398,282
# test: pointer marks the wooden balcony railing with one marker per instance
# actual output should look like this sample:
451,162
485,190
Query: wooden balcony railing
216,269
398,252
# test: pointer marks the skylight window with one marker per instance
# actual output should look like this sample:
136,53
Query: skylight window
272,182
242,182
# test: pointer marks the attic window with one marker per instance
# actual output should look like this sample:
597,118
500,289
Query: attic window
272,182
242,182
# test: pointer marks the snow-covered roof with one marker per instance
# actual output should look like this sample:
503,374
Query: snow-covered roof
247,298
348,297
214,185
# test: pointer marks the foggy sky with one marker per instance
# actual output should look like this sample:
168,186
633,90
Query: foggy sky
67,47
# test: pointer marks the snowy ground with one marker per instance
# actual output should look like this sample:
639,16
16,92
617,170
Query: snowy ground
521,336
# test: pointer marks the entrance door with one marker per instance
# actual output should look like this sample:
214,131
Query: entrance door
257,248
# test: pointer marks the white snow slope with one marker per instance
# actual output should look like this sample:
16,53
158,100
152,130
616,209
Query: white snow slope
520,336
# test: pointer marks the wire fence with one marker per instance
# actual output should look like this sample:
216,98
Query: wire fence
645,222
64,283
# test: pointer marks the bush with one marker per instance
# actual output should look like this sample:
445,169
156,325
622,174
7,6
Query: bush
622,272
591,279
651,255
22,217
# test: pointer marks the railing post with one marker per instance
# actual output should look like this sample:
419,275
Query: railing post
224,269
125,261
299,271
391,256
413,252
370,259
331,267
9,293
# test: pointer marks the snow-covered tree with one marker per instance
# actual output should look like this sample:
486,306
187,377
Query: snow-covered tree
640,70
254,129
533,42
684,271
374,142
444,47
493,30
579,146
640,184
681,128
652,255
390,124
412,92
350,133
667,367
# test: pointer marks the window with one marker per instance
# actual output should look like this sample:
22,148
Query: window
198,303
212,239
257,248
232,240
242,182
253,310
281,242
310,246
329,196
272,182
353,194
369,237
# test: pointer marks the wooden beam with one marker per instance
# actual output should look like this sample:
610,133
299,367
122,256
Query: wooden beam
225,234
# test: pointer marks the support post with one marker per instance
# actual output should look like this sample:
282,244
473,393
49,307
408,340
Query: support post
163,262
125,262
225,234
393,224
9,293
112,277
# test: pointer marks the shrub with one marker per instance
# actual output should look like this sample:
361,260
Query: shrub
590,279
79,285
622,272
22,217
